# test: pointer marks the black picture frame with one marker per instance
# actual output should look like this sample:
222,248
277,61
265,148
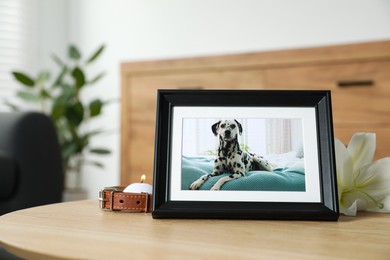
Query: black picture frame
317,102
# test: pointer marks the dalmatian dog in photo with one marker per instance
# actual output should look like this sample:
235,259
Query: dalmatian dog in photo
231,159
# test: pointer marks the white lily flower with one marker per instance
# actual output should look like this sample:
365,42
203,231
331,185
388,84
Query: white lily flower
362,184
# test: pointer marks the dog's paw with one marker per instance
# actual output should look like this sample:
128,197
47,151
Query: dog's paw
196,185
215,187
266,165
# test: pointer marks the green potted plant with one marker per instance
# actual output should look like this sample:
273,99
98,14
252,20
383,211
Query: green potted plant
60,98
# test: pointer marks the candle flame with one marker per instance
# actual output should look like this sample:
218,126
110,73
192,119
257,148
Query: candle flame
143,177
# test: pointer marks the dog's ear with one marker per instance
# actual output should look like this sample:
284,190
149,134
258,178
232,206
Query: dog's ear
214,128
239,126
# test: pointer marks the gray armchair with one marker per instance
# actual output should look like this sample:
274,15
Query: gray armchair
31,172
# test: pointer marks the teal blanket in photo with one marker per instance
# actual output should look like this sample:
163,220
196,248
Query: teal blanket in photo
281,179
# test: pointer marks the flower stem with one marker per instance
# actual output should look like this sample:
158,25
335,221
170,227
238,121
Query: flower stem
377,203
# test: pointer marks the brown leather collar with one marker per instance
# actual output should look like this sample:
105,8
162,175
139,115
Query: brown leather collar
114,199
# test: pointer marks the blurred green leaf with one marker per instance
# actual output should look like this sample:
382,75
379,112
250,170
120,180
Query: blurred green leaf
43,76
13,107
75,114
100,151
94,132
57,60
66,95
58,110
95,107
97,78
63,130
68,149
28,96
24,79
79,142
82,143
60,77
45,94
74,52
245,148
96,54
79,77
61,102
95,163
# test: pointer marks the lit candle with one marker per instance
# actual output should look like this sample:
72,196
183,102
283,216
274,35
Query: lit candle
139,187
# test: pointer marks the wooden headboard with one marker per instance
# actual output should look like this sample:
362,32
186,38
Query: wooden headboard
358,75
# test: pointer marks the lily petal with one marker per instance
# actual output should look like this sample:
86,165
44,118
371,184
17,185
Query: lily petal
353,201
375,177
376,182
351,210
344,167
362,185
362,148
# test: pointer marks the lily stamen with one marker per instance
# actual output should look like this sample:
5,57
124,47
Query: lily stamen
378,203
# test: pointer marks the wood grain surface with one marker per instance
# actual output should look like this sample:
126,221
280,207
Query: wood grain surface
80,230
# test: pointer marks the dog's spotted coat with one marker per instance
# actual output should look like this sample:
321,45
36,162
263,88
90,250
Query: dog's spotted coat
231,159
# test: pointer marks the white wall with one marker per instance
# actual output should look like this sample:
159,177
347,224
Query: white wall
155,29
29,29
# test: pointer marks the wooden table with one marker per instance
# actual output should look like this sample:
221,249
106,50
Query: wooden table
80,230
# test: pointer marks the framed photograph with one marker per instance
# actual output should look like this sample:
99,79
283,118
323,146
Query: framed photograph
248,154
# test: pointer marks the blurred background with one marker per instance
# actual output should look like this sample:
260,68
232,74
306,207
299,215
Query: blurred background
259,135
32,30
